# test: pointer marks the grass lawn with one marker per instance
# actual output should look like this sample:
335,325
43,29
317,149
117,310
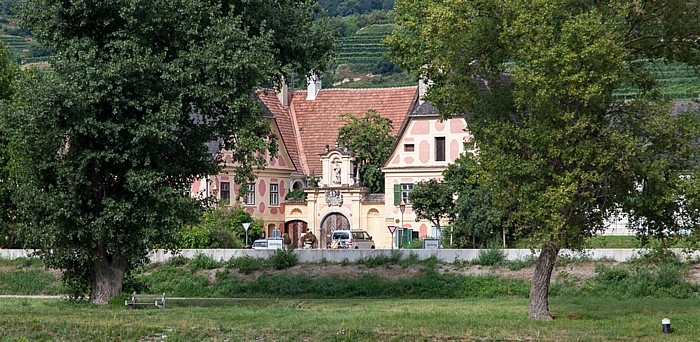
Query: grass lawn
578,319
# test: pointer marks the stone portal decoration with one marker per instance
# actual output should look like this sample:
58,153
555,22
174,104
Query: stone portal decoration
338,168
334,198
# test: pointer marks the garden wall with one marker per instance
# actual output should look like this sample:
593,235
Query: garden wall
337,256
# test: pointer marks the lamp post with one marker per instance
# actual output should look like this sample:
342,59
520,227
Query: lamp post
246,225
402,208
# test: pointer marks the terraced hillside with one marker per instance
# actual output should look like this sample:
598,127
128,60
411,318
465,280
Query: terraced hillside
675,80
362,61
22,46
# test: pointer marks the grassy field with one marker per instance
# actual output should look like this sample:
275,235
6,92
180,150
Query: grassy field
578,319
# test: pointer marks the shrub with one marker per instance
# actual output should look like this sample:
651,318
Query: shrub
247,264
642,281
490,257
415,244
202,262
519,264
381,260
282,259
296,196
178,260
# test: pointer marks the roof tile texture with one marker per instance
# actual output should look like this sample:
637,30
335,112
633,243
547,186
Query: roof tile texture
319,120
284,122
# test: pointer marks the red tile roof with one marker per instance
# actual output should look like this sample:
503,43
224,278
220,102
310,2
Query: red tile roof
284,123
319,120
307,126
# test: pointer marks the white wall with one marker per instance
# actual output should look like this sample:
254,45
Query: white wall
337,256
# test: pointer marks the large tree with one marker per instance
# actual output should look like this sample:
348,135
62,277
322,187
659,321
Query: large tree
8,74
109,138
535,79
369,138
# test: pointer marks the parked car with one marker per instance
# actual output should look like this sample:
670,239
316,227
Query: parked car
271,243
351,239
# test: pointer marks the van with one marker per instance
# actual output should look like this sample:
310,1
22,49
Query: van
351,239
271,243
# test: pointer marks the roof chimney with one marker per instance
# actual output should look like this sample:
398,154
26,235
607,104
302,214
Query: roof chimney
423,86
313,86
283,93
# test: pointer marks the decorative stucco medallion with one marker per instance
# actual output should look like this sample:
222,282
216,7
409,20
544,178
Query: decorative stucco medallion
334,198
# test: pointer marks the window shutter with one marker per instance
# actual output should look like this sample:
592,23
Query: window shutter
397,194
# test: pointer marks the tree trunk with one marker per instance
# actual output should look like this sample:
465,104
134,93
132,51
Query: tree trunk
539,290
107,277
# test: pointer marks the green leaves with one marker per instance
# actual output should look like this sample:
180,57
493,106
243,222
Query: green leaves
109,137
369,138
558,152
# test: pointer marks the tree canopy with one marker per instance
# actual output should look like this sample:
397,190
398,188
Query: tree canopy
117,129
535,80
432,200
8,75
369,138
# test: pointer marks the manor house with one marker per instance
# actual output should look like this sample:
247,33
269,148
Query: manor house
310,160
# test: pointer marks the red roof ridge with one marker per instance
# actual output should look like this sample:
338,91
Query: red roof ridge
357,89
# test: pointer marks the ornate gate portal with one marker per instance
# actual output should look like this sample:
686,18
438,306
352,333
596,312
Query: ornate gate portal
332,222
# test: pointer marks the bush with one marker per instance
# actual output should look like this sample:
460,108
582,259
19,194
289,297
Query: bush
282,259
641,281
414,244
296,196
381,260
202,262
178,260
247,264
519,264
490,257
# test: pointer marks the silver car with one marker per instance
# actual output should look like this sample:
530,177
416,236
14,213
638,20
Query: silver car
351,239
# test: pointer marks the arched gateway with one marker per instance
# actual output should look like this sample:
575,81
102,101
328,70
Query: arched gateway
295,229
332,222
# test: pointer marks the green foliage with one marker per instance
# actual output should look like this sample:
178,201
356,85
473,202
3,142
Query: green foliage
477,222
490,257
8,75
381,260
221,227
178,260
22,262
248,264
111,134
664,281
202,262
558,152
369,137
414,244
296,195
30,281
519,264
282,259
431,200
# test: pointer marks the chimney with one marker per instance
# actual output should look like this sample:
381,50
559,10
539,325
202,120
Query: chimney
313,86
283,93
422,89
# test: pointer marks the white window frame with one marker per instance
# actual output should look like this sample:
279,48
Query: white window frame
250,194
406,189
274,194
